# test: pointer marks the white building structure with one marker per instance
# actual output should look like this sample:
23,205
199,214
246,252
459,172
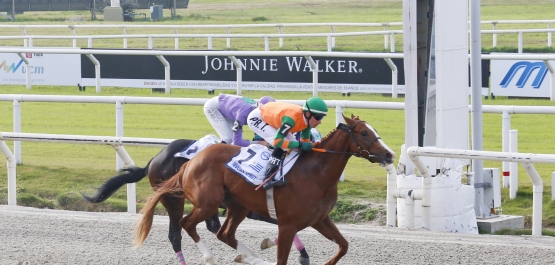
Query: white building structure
449,204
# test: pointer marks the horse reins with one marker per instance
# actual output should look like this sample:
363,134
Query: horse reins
343,127
348,129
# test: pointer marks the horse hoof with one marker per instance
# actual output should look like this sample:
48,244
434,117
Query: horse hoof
239,258
267,243
304,261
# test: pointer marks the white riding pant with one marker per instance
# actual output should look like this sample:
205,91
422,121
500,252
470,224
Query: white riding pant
264,130
218,121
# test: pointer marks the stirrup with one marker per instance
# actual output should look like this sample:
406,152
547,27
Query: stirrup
274,183
271,171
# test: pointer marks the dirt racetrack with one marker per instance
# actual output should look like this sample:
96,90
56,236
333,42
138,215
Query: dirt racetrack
42,236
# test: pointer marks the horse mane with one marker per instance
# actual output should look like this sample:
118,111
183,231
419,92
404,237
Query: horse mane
327,137
333,132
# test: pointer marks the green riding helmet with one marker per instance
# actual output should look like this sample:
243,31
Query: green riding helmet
315,105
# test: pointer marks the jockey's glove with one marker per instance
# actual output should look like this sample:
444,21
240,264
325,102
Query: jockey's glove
307,146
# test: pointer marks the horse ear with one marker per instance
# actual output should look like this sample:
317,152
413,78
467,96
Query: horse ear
349,121
355,117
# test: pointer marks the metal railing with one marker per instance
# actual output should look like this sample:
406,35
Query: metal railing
28,40
525,159
388,35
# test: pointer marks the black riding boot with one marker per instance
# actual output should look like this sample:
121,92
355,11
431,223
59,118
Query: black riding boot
274,164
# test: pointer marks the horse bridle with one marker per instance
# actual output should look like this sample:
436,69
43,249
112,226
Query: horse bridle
349,129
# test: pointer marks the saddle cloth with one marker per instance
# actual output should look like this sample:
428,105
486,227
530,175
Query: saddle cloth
251,162
195,147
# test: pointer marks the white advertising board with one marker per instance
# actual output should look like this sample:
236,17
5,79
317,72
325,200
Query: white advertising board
46,69
520,78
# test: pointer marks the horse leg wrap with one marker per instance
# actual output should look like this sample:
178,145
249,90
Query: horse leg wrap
245,250
298,243
206,253
180,258
296,240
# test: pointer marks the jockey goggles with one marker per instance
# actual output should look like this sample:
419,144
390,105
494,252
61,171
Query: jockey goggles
317,117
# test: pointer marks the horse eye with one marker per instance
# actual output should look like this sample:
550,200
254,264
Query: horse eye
364,133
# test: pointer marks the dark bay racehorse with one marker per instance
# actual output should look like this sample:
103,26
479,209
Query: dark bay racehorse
160,168
306,200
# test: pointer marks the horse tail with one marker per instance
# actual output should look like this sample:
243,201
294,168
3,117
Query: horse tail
109,187
144,224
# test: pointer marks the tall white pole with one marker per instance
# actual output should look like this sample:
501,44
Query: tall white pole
411,77
476,100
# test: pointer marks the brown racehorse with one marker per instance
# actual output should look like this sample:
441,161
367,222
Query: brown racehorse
306,200
160,168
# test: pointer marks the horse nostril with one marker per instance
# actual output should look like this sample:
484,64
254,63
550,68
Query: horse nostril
389,155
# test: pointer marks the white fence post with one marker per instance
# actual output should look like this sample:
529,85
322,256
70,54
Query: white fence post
228,40
385,28
520,42
124,39
394,76
131,187
549,44
513,148
119,131
314,70
332,38
239,69
392,42
167,78
280,31
12,199
176,40
96,71
494,35
537,198
505,127
17,128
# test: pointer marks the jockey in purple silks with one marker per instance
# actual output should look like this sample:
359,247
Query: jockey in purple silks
228,113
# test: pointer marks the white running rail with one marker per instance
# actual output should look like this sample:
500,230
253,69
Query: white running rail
388,34
525,159
116,142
